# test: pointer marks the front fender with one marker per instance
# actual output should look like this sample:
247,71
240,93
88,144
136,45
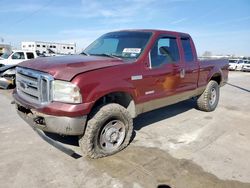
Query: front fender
103,89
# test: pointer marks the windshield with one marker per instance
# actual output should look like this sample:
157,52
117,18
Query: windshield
5,56
232,61
119,44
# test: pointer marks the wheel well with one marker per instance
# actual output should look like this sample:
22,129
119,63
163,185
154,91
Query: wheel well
122,98
217,78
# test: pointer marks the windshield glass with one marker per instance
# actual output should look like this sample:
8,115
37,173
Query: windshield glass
119,44
5,56
232,61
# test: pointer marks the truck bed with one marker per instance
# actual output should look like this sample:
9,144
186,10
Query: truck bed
219,66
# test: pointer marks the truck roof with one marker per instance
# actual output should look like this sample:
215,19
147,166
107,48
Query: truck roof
24,51
156,31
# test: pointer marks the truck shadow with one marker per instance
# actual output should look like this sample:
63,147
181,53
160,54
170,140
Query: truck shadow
238,87
163,113
70,140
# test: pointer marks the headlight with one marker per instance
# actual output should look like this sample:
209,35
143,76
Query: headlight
67,92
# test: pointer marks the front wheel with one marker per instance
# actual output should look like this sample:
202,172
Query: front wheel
107,132
209,99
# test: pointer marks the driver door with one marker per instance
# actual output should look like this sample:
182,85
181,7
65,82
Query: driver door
162,78
16,57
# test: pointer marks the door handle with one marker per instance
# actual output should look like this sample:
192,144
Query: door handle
182,73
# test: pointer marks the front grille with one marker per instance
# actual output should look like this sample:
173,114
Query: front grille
33,86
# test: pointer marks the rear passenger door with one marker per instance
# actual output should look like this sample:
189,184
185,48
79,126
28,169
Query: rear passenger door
190,65
30,55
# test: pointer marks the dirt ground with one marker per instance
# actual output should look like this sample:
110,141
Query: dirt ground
176,146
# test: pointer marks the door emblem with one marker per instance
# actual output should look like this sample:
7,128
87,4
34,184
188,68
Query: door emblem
149,92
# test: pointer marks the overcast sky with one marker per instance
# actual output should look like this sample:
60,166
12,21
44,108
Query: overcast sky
222,27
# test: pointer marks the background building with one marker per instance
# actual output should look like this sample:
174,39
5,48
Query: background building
44,47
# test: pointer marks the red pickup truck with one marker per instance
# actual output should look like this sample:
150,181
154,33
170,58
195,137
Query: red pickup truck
96,95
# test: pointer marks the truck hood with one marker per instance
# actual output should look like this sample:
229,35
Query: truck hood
67,67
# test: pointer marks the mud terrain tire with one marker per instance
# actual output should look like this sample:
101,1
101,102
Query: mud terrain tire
209,99
107,132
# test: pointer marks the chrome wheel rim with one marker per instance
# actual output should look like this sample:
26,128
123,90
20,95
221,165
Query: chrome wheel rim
212,98
112,135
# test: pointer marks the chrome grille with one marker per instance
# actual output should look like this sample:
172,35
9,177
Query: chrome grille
33,86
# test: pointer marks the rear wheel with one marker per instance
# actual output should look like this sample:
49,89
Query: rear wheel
107,132
209,99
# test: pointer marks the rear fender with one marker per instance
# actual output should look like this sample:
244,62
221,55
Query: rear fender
215,72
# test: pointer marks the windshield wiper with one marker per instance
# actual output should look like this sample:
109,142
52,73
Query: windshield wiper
108,55
84,53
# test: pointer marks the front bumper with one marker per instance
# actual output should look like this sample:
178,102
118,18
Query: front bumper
56,108
54,124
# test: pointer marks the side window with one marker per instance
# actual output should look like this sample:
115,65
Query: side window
164,51
18,55
30,55
188,53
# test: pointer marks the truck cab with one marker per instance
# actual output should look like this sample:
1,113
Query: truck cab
17,56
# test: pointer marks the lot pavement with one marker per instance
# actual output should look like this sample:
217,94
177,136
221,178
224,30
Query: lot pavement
176,146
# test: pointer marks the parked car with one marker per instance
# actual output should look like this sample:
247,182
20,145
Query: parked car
7,76
17,56
122,74
246,66
8,62
235,64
